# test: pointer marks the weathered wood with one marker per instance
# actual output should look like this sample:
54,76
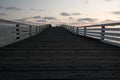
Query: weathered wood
58,54
17,31
77,31
30,30
85,31
102,33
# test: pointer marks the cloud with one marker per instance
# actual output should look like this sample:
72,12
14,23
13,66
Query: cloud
3,14
107,0
116,12
108,21
1,7
70,14
86,20
64,14
71,18
23,19
39,10
49,18
28,18
76,13
86,1
37,17
12,8
41,21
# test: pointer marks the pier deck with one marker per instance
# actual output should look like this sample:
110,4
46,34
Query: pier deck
58,54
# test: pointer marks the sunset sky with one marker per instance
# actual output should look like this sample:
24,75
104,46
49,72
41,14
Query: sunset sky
72,12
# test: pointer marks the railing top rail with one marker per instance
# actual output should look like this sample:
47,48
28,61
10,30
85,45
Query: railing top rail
97,25
109,24
12,22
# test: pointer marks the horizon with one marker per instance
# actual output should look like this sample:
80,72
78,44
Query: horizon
70,12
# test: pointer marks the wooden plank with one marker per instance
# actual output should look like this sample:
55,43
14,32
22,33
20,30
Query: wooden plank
59,54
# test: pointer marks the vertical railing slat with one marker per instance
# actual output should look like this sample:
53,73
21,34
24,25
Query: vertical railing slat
77,31
36,29
17,31
30,30
85,31
102,33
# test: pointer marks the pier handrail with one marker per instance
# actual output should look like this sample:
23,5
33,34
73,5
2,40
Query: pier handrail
15,31
107,33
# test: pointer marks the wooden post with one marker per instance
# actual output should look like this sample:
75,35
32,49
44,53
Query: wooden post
77,31
36,29
39,28
102,33
17,31
85,31
70,28
73,30
30,30
67,27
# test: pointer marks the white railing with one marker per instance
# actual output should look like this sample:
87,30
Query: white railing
108,33
11,32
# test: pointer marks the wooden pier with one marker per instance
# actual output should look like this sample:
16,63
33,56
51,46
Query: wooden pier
57,54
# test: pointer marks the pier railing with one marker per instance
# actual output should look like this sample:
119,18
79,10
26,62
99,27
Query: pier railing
108,33
11,32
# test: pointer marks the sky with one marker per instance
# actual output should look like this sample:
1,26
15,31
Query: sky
71,12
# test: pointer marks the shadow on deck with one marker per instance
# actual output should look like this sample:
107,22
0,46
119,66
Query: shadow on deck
58,54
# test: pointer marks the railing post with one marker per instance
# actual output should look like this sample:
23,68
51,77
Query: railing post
69,28
39,28
30,30
85,31
102,33
36,29
77,31
73,30
17,31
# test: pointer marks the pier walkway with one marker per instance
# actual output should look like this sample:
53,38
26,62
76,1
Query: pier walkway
58,54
